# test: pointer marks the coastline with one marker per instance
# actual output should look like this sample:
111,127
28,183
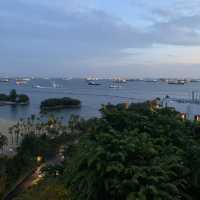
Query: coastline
12,103
61,107
5,125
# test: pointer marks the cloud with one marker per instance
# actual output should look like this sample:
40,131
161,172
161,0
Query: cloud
89,31
173,22
39,20
66,5
177,32
77,33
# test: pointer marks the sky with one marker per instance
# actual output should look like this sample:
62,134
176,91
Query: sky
104,38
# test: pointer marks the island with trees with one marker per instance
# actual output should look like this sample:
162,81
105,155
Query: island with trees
14,99
57,104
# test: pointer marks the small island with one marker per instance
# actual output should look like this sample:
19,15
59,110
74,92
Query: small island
13,99
57,104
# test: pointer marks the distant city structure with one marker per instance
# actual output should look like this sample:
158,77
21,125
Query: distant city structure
196,97
188,114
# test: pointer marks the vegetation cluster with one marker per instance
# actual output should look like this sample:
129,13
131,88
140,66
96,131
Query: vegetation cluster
66,102
134,152
15,98
39,139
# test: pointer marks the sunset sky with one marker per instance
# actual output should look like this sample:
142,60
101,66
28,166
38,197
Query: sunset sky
132,38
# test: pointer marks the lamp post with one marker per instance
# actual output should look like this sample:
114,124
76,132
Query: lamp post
39,159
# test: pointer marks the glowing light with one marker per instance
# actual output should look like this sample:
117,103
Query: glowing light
39,158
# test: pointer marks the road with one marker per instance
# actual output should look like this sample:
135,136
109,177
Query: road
34,177
25,183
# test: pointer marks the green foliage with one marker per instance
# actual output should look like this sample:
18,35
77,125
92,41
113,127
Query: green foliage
4,97
14,97
40,138
50,189
53,171
135,153
65,102
33,146
12,169
3,140
3,177
22,98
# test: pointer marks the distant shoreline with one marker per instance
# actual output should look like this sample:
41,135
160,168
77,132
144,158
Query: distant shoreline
61,107
7,103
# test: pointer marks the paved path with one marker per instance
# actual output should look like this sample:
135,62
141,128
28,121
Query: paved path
33,178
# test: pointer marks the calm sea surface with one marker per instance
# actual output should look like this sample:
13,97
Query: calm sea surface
92,97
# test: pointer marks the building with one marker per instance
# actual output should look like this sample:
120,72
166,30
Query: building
197,118
183,116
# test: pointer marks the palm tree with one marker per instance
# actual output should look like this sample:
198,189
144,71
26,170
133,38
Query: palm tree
3,141
10,131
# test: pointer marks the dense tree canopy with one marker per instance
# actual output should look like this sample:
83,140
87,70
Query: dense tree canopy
132,152
136,152
14,97
66,102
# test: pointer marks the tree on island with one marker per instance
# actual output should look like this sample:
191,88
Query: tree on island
14,98
13,95
22,98
55,103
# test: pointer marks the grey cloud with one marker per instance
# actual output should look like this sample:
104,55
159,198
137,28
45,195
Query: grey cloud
181,31
38,32
92,29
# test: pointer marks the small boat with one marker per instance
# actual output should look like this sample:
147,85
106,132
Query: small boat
123,81
195,80
20,82
115,86
119,80
4,80
116,83
91,79
67,79
151,80
55,85
27,79
176,82
93,83
38,86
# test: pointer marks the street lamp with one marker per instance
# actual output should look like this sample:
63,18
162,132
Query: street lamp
39,159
